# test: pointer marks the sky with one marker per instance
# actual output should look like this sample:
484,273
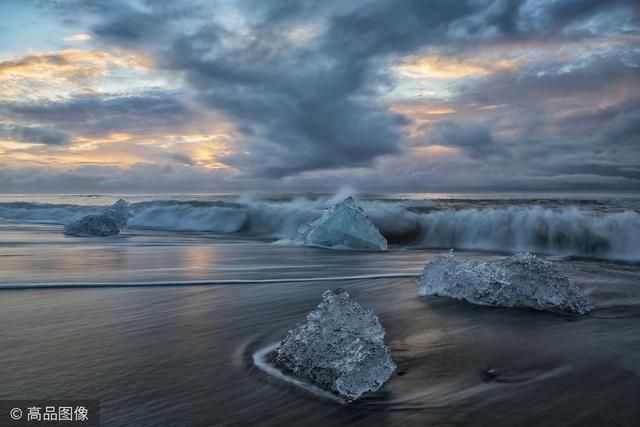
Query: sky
381,95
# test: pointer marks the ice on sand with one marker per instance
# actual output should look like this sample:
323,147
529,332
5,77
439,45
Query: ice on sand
109,222
339,348
521,280
344,225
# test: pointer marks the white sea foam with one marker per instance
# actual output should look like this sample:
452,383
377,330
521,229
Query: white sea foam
566,231
184,217
260,360
561,230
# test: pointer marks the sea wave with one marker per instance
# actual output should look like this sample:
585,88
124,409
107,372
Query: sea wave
566,230
189,217
43,212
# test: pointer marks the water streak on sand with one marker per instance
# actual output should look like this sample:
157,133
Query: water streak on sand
62,285
260,360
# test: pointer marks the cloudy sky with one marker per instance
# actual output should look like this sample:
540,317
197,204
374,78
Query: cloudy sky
256,95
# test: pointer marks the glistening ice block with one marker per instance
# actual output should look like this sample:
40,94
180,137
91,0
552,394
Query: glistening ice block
345,225
109,222
522,280
339,348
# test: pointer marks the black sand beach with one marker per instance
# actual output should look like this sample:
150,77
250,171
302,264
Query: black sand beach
183,355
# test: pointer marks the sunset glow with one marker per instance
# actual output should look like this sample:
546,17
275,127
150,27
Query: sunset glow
196,88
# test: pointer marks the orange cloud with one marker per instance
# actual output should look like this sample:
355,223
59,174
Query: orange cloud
82,37
56,74
302,34
70,64
414,111
123,149
440,67
434,150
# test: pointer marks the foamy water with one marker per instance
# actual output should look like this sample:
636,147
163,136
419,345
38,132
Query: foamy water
600,227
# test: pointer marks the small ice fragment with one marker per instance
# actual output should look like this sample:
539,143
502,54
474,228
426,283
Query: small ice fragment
109,222
344,225
490,374
340,348
521,280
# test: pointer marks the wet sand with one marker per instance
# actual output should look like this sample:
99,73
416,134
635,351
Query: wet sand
184,355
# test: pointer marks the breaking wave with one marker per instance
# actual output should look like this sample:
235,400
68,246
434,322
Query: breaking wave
560,230
568,231
43,212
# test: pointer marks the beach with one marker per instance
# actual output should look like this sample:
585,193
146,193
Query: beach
179,348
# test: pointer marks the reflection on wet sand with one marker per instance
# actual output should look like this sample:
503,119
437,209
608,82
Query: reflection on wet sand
163,355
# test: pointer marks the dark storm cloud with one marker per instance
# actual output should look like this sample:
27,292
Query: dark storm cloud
625,171
540,82
296,112
475,139
551,109
300,106
134,27
397,27
178,157
33,134
525,20
557,15
595,120
504,16
310,103
623,128
609,132
94,115
162,177
310,107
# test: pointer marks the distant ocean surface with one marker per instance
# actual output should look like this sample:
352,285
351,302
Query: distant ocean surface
220,277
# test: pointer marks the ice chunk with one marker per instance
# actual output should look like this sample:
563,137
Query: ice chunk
109,222
119,212
344,225
340,348
521,280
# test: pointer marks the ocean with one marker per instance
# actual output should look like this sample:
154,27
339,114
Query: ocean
163,322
